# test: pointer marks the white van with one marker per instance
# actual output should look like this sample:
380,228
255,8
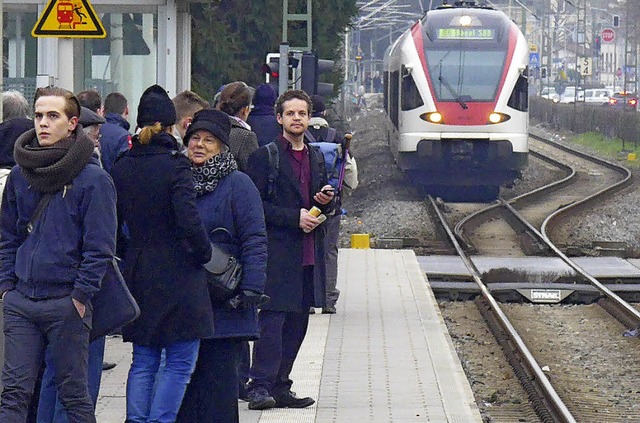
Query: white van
598,96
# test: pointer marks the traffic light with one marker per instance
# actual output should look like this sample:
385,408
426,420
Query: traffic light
312,69
616,21
272,71
597,44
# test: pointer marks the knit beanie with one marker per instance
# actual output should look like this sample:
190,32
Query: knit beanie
214,121
156,106
318,105
264,96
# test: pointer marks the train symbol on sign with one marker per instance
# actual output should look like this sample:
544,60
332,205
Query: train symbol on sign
65,15
608,35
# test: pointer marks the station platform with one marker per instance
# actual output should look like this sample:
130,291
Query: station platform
384,357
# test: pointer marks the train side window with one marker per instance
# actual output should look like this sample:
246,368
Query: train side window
411,98
519,99
394,86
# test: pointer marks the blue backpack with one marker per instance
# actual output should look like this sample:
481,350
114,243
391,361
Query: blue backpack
332,152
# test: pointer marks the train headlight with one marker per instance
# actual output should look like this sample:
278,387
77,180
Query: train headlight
496,117
432,117
465,20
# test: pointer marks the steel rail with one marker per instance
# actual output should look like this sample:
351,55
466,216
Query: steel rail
554,405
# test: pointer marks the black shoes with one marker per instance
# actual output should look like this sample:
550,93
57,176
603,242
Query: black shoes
289,399
329,310
259,399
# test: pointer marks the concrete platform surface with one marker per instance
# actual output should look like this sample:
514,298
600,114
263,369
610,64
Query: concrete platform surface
384,357
598,267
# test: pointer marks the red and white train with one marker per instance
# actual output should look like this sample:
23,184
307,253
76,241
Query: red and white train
456,90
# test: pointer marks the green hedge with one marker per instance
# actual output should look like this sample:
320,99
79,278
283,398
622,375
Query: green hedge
581,118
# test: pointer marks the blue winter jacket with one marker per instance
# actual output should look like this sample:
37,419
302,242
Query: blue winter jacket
264,124
115,139
235,204
71,243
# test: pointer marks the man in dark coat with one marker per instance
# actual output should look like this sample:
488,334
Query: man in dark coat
295,267
115,138
15,122
52,267
262,118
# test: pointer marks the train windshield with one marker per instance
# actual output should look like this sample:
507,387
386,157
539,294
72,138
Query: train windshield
465,75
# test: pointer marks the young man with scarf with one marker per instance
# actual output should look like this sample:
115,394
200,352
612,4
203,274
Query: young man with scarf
53,261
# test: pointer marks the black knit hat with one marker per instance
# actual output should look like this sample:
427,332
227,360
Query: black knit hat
318,105
214,121
88,117
156,106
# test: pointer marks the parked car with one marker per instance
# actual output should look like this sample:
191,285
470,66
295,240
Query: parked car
624,100
597,96
569,95
550,94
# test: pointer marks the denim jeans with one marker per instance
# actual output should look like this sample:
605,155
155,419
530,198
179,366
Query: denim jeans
28,326
50,409
158,401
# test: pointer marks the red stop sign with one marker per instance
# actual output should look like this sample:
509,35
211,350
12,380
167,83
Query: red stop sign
608,35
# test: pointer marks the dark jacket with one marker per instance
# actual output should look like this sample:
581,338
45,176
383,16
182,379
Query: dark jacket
10,130
236,206
167,246
242,142
115,139
71,243
264,124
285,284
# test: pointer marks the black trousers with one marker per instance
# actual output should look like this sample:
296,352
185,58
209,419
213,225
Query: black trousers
28,327
281,335
212,393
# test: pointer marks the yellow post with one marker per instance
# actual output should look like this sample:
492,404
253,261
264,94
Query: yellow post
360,241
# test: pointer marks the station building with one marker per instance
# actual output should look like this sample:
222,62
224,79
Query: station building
147,42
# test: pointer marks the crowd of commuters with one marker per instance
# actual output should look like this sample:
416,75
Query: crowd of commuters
83,188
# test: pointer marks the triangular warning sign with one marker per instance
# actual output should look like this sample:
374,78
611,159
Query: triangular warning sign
69,19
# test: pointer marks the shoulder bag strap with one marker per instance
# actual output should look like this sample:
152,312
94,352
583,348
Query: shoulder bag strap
42,204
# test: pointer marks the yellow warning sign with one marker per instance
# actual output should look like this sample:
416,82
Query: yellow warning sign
69,19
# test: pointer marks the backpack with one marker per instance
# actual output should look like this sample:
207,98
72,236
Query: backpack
332,153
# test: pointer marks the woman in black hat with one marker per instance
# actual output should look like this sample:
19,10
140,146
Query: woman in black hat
163,258
226,198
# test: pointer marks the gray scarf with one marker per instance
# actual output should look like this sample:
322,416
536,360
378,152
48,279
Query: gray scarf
49,169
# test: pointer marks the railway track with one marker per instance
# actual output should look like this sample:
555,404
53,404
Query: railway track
561,376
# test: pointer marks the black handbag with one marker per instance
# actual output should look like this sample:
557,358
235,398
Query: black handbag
224,272
113,305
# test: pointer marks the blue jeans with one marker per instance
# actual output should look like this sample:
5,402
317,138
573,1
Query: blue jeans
146,404
50,408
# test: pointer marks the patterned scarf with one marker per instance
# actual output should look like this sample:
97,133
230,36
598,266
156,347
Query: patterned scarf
207,176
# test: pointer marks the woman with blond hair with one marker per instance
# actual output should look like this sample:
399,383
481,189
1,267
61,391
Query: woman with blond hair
163,257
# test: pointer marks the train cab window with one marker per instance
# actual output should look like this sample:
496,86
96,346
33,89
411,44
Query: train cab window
519,99
411,98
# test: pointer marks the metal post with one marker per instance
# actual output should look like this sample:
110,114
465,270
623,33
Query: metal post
283,69
2,76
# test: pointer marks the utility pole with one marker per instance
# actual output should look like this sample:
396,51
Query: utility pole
1,54
630,52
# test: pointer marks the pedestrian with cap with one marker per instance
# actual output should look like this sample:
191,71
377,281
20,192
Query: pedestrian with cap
226,198
163,258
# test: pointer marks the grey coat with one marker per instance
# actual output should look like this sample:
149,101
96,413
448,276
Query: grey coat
242,142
